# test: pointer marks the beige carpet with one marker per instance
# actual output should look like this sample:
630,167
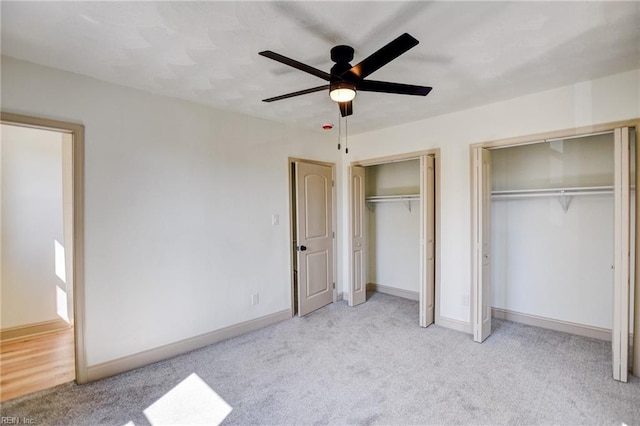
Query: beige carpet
370,364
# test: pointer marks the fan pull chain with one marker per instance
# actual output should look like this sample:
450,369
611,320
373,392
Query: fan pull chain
339,130
346,135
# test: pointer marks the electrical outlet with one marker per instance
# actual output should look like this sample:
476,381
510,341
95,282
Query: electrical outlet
465,300
255,299
275,219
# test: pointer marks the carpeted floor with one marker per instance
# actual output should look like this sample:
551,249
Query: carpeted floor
362,365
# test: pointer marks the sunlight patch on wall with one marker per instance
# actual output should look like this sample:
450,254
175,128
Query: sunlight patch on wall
61,304
61,271
191,402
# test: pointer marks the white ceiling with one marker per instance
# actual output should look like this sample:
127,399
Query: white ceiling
471,53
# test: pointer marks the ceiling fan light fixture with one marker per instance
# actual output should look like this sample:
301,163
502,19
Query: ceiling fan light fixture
342,92
344,79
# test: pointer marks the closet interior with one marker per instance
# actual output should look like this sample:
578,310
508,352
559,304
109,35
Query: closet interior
553,233
392,198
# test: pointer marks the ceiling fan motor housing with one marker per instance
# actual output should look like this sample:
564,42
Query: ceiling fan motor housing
342,53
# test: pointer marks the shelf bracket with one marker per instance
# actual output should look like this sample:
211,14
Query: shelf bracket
565,201
406,199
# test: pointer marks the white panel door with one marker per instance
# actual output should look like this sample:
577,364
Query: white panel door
428,247
482,244
620,332
314,236
358,282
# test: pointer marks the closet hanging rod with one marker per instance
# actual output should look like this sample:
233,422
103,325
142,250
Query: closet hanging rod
553,192
391,198
406,199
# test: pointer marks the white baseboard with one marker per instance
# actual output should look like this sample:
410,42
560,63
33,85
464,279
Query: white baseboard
398,292
454,324
150,356
552,324
29,330
340,297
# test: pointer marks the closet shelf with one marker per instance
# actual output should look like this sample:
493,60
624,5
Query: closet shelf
565,194
552,192
406,199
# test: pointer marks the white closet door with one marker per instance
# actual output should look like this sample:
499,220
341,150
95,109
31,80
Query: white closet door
636,310
620,332
481,211
358,282
427,248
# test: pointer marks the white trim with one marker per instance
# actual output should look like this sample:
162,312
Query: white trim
393,291
454,324
150,356
552,324
341,296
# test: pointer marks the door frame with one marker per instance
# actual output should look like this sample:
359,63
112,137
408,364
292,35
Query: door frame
421,156
477,284
76,131
292,225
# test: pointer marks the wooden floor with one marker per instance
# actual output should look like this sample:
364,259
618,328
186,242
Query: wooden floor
31,364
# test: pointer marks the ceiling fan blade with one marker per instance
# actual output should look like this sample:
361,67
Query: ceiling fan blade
382,56
388,87
346,108
298,93
295,64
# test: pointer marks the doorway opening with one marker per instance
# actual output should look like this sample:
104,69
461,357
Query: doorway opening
41,254
394,230
313,237
553,235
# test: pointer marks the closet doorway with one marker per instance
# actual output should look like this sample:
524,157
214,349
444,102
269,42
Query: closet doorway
552,234
393,227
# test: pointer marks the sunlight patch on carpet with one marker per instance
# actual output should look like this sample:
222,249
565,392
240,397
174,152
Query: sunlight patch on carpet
191,402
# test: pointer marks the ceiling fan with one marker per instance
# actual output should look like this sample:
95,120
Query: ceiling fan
345,80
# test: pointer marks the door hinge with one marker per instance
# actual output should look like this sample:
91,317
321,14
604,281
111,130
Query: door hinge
334,234
333,183
334,286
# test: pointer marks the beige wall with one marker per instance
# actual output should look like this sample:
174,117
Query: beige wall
178,205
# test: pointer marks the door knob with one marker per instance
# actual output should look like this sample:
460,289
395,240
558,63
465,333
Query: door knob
302,248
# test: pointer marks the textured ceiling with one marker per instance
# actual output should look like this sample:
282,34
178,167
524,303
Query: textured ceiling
471,53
